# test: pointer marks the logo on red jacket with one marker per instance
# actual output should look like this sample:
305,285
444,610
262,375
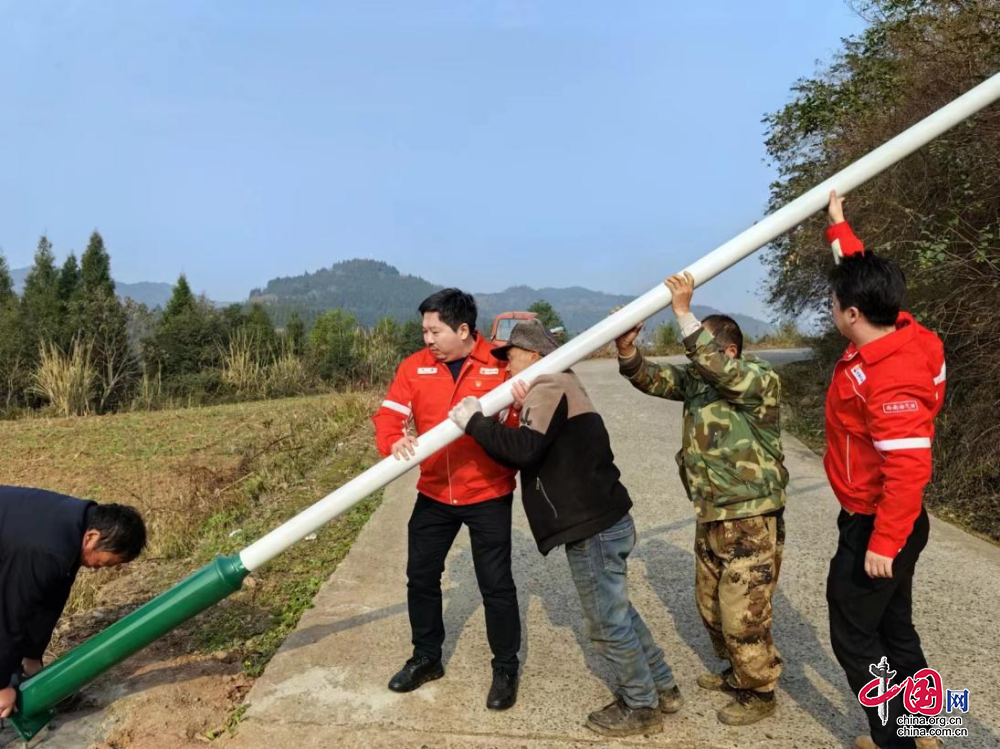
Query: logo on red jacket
900,407
859,374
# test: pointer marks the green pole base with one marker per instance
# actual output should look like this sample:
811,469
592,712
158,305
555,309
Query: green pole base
29,726
38,696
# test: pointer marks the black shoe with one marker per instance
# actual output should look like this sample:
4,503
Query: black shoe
618,719
503,692
418,670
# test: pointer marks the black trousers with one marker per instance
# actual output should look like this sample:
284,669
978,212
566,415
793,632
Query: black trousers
432,530
873,617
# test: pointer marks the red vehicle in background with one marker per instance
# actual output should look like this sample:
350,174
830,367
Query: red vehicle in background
504,323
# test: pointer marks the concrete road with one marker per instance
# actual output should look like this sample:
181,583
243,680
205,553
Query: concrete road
327,685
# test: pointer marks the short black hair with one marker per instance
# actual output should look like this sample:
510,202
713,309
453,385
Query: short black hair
122,530
454,307
725,331
875,285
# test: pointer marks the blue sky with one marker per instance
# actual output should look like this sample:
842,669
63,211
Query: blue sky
479,143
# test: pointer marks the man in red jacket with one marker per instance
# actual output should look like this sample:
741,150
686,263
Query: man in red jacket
459,485
880,409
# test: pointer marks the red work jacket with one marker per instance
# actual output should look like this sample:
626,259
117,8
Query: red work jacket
424,391
880,410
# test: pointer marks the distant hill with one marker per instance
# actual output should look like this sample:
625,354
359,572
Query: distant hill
371,289
151,293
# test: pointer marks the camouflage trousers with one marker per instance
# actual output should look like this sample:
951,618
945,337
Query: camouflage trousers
736,570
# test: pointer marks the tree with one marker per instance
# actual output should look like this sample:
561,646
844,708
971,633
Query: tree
186,337
330,349
937,212
140,323
69,279
97,317
295,334
6,283
181,300
232,319
95,267
411,338
14,354
258,324
547,314
40,300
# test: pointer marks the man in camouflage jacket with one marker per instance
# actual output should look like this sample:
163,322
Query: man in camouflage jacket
732,467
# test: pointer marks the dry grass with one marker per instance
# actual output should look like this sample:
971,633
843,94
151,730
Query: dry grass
184,469
287,375
66,380
242,368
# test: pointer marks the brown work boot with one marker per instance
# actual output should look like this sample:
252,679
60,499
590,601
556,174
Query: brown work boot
618,719
748,707
864,742
717,682
671,701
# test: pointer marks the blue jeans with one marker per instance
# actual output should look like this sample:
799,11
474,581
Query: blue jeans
600,570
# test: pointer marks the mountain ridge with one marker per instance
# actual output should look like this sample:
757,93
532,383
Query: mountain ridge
371,289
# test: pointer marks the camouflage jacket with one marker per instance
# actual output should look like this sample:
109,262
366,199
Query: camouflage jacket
731,462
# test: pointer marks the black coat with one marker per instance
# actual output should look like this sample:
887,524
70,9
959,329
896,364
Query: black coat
41,534
569,481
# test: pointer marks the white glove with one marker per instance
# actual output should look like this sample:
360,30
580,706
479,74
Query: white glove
462,413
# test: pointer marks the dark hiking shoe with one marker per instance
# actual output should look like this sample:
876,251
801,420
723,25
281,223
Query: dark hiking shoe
418,670
618,719
748,707
503,691
717,682
671,701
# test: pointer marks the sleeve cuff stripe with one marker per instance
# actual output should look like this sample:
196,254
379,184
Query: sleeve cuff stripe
911,443
942,375
398,407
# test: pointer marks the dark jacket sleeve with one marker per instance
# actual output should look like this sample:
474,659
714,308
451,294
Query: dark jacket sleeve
30,604
526,445
39,632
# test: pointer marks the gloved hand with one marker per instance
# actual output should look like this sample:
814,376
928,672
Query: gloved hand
465,410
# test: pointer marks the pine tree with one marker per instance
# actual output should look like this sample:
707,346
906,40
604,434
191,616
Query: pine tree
69,279
97,316
71,320
181,300
95,267
186,337
40,300
15,356
6,283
